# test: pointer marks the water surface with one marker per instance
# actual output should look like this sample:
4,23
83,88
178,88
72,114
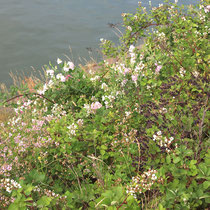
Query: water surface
33,32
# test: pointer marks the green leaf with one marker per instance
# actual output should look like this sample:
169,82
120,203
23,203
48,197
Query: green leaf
160,207
207,200
168,159
13,206
206,185
102,152
103,147
29,199
28,190
193,162
177,159
44,201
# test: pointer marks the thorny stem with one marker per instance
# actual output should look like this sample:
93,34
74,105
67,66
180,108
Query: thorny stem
36,94
124,202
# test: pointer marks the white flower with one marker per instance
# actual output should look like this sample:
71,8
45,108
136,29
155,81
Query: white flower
66,69
8,190
61,77
95,78
171,138
86,106
127,113
207,9
59,61
43,90
50,83
71,65
50,72
72,129
80,122
182,72
129,28
131,48
163,110
159,133
195,73
72,132
154,177
104,86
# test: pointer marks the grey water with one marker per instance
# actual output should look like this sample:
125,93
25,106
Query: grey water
34,32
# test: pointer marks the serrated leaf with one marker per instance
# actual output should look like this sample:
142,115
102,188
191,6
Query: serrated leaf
177,159
28,190
13,206
168,159
206,184
44,201
29,199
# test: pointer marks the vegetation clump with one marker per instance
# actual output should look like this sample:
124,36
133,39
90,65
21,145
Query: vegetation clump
133,135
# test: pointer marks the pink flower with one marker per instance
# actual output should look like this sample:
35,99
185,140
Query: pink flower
158,68
207,9
134,77
68,76
126,71
96,105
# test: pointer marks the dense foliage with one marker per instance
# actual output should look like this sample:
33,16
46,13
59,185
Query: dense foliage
133,135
